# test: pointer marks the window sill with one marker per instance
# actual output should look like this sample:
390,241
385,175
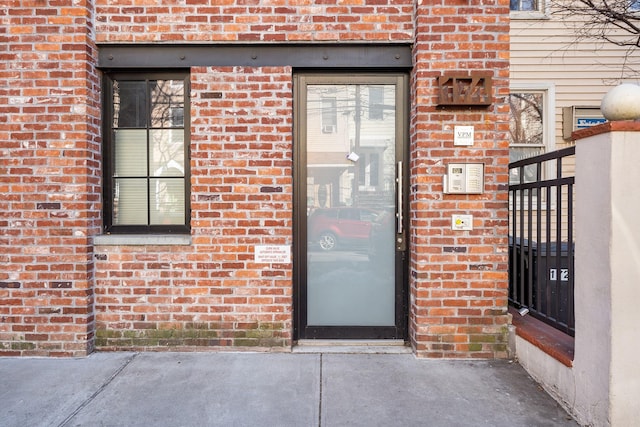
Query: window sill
528,15
556,344
142,240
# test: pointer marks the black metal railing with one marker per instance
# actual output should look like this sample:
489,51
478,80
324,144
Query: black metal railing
541,241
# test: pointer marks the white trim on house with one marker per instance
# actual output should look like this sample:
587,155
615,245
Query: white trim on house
549,128
549,106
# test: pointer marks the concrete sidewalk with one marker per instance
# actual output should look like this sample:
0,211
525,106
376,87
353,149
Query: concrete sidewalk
270,389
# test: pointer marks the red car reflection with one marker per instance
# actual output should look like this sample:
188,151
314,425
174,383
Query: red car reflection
331,228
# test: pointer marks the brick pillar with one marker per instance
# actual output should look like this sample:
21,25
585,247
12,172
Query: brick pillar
459,279
49,178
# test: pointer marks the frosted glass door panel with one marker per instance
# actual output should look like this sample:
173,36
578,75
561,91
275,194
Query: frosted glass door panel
351,197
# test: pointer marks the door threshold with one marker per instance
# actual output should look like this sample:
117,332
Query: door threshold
352,346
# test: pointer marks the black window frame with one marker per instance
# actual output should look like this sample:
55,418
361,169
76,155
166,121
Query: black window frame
109,152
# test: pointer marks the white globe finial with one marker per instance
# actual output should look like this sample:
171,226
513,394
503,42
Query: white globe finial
621,103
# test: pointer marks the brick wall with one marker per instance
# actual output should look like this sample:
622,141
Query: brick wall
254,21
458,305
211,293
49,177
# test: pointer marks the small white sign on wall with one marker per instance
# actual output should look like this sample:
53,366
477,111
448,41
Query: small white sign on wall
272,254
463,135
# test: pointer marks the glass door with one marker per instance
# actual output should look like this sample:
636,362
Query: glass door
350,206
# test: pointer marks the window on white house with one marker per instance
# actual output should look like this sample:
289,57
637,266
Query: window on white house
369,169
376,102
329,115
527,128
524,5
146,153
529,9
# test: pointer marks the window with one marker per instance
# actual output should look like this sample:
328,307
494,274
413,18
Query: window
146,153
634,6
329,115
368,170
524,5
529,9
376,102
527,127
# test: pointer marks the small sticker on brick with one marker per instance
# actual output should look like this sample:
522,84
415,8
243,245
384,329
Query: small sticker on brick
272,254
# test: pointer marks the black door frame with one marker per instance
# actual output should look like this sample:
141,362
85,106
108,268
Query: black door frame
300,244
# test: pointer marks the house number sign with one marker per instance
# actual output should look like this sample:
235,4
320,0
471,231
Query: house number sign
472,88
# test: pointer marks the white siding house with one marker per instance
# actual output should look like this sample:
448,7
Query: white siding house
548,58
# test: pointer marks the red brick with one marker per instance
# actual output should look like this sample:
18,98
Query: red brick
231,213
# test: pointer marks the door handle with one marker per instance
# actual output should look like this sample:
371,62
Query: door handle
400,190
